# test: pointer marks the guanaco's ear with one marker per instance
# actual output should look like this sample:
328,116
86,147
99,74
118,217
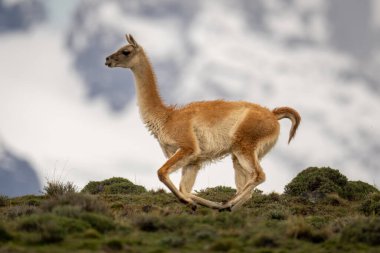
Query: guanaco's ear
131,40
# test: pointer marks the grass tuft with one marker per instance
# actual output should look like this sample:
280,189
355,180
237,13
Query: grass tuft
148,223
99,222
114,245
365,230
4,234
56,188
266,240
4,200
298,228
84,202
50,228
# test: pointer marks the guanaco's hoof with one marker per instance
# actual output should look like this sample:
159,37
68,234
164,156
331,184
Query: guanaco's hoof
193,207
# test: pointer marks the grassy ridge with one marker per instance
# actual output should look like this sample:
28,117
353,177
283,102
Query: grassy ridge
320,211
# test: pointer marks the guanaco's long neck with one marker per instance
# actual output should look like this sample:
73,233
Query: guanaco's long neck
152,109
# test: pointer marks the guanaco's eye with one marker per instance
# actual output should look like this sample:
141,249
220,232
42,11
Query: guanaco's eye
126,53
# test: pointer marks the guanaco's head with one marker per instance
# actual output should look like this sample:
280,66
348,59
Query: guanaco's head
127,56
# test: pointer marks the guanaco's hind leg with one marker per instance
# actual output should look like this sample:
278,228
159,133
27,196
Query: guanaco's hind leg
249,161
189,174
241,175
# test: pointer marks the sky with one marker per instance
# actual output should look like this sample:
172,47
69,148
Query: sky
47,118
65,136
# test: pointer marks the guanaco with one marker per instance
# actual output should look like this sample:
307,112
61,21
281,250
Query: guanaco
200,132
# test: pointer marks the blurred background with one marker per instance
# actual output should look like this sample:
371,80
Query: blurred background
65,116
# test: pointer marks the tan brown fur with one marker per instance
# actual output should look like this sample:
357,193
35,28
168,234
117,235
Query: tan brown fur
205,131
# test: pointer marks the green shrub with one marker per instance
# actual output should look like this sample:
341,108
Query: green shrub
148,223
362,231
21,210
47,222
91,234
225,245
371,206
4,200
4,234
30,200
267,240
115,185
318,221
124,188
85,202
204,232
278,214
50,228
334,199
53,227
173,241
218,193
357,190
114,245
55,188
99,222
317,181
298,228
67,211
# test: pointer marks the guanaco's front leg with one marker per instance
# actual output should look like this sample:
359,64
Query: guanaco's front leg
180,159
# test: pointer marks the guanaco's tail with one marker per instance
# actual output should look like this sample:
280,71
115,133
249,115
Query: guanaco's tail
287,112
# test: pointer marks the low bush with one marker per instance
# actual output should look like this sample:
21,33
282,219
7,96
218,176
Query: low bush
315,181
225,245
371,206
22,210
204,232
357,190
365,230
4,234
173,241
85,202
114,245
4,200
115,185
50,228
267,240
298,228
334,199
278,214
99,222
91,234
217,194
148,223
67,211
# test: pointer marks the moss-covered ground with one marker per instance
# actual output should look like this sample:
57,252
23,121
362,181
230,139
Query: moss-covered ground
315,214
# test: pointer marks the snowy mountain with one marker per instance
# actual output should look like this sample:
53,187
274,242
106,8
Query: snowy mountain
17,177
20,15
319,57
